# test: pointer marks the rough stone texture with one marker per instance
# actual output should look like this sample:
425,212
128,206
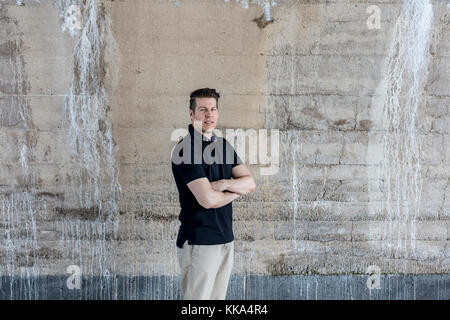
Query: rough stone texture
317,56
241,287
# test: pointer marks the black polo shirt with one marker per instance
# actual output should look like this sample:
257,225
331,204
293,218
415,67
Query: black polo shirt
214,161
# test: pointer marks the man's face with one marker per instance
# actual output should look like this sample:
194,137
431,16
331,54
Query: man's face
206,114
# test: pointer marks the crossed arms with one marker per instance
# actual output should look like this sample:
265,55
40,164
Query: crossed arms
216,194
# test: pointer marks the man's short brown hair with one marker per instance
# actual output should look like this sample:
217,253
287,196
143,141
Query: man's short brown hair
203,93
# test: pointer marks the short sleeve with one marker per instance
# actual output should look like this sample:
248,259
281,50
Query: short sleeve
230,150
237,161
189,172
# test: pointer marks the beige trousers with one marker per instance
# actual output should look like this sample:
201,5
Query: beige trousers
205,270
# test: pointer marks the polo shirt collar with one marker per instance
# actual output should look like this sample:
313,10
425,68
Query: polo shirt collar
204,138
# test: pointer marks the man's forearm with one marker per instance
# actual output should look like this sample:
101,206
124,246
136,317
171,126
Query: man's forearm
218,199
242,185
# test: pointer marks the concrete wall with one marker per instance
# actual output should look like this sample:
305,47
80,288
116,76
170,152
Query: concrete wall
313,74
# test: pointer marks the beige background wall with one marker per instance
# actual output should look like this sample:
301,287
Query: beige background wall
312,73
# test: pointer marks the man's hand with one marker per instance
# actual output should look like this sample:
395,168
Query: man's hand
226,185
242,183
207,197
220,185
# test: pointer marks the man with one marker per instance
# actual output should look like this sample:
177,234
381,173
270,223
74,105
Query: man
205,242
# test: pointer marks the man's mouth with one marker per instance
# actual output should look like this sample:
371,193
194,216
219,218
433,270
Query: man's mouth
209,122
